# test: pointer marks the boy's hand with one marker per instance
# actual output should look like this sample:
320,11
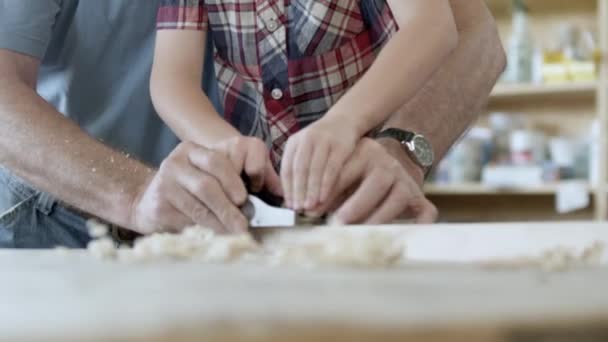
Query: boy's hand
312,161
250,156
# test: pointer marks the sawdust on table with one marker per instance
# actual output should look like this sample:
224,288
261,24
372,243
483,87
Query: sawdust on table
328,246
323,246
558,259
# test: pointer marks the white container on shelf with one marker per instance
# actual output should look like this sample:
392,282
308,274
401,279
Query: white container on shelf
563,152
502,124
507,176
594,151
523,147
538,61
465,161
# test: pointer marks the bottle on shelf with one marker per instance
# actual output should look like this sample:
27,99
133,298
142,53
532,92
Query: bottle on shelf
521,47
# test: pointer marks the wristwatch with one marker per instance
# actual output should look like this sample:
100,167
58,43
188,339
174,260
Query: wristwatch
416,146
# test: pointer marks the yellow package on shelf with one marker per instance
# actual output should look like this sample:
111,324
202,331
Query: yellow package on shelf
582,71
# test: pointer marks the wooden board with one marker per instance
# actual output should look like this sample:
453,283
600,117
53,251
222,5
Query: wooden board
47,295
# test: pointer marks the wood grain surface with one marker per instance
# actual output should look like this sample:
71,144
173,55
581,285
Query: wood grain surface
52,295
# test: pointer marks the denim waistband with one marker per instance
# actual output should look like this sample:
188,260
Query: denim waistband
23,190
16,185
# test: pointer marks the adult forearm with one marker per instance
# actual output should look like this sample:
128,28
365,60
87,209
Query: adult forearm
409,59
55,155
456,94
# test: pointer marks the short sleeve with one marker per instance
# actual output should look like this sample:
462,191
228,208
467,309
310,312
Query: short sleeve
182,15
27,26
378,16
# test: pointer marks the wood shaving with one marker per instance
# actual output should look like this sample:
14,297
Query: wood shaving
96,229
193,243
63,251
326,246
335,246
103,248
557,259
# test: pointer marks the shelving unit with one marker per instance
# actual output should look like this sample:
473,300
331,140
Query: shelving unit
523,91
556,109
480,189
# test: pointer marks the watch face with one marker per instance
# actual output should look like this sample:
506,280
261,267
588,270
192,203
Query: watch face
423,151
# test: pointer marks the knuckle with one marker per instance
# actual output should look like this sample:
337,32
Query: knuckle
204,185
333,163
185,146
157,211
402,195
339,144
397,170
256,172
228,215
203,160
241,143
330,174
164,165
232,219
159,187
167,167
212,159
394,165
200,214
384,181
316,175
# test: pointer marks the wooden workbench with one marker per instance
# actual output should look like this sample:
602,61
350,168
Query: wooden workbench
48,295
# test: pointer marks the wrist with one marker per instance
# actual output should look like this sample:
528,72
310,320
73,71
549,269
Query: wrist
131,200
353,122
395,149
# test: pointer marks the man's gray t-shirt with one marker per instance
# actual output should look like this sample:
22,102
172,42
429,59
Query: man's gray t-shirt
96,59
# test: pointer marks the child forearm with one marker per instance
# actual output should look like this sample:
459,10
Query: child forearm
190,114
175,87
426,38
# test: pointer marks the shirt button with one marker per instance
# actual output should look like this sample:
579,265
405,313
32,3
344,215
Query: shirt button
277,94
272,25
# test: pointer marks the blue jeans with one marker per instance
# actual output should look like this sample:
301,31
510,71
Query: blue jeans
34,219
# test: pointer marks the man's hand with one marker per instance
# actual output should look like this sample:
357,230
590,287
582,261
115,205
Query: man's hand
375,187
195,185
312,161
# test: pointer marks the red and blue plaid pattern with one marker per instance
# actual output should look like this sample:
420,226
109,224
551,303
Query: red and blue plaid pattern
282,64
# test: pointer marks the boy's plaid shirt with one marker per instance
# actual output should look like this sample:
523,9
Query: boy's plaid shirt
282,64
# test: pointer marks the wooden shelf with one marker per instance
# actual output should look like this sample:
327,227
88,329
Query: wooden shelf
566,109
504,91
480,189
